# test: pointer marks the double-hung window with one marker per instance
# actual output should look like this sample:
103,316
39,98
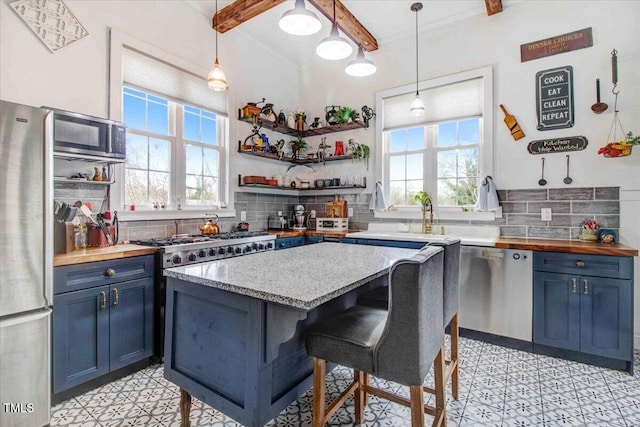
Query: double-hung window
445,152
176,132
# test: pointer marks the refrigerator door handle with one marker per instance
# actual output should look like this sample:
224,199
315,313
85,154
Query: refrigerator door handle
16,320
48,208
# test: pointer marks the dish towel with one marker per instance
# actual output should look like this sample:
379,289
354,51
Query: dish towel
377,198
487,196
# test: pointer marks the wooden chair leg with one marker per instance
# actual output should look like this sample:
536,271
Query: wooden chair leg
438,367
185,408
417,406
455,339
365,381
319,371
359,398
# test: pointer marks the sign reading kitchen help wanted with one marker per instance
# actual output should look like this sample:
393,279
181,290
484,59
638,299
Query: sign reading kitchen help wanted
554,98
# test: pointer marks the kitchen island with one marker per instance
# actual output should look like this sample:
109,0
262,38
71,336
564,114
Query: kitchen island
235,327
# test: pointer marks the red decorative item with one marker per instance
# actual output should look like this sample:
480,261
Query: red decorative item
339,149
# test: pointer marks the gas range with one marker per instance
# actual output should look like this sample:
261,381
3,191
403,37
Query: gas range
186,249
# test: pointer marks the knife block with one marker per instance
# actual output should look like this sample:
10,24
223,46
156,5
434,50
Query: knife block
63,238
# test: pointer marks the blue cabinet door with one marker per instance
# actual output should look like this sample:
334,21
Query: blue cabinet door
313,239
289,242
556,310
131,322
80,337
606,317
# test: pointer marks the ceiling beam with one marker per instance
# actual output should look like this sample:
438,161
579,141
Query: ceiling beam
493,6
240,11
348,23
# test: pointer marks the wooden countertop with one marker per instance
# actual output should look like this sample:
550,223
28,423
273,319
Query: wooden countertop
101,254
569,246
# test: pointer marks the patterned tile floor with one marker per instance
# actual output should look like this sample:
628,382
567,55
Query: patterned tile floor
499,387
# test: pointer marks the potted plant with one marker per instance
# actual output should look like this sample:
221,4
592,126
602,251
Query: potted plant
359,151
346,115
297,145
590,230
425,200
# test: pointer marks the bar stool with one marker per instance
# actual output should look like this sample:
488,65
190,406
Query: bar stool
397,344
379,297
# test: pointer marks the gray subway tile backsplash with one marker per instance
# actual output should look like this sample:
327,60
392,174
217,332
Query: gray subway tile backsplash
555,206
523,195
571,193
607,193
596,207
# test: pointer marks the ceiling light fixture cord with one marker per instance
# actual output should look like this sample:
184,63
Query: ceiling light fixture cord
416,9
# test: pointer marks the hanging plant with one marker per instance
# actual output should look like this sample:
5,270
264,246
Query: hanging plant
359,151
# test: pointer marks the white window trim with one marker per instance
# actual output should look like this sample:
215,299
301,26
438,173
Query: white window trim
118,41
485,161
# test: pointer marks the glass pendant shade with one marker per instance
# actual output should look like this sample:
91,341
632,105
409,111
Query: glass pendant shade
217,80
299,21
360,67
334,47
417,106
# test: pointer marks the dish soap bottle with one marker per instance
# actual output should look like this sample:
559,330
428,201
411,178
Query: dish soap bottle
81,236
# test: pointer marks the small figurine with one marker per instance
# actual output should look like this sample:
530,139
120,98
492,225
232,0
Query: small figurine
291,121
282,119
97,176
316,123
265,143
104,174
367,114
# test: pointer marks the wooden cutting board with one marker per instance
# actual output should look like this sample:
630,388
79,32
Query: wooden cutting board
337,208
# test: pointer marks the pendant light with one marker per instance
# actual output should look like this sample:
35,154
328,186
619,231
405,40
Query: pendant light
417,106
299,21
334,47
360,67
217,80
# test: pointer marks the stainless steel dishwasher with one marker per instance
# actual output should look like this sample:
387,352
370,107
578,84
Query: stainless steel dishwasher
496,291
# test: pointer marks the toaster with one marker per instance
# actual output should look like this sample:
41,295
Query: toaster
278,223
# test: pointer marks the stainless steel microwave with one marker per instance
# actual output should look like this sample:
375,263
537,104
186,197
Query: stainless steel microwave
81,134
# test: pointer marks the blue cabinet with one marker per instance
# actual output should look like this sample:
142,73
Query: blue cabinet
102,319
584,303
289,242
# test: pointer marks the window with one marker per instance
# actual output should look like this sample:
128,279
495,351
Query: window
150,144
444,152
176,129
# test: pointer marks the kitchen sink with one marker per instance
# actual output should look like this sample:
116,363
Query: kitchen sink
468,234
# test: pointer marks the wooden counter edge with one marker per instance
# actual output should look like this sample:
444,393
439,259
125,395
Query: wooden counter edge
568,246
102,254
296,233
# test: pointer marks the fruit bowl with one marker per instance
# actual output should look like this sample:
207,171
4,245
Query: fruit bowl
616,149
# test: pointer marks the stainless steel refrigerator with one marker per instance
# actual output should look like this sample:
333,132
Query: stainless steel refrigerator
26,265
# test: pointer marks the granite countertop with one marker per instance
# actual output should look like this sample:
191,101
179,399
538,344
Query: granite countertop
568,246
101,254
302,277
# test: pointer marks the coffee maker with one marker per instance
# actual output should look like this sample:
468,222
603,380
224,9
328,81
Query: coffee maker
299,218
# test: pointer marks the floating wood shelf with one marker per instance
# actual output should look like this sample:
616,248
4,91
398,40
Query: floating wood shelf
265,155
276,127
275,187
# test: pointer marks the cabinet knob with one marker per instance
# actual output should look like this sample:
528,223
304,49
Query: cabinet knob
580,264
110,272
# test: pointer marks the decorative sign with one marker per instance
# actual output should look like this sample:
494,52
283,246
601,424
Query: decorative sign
558,145
554,98
52,21
558,44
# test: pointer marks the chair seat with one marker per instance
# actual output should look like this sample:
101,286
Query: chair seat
348,338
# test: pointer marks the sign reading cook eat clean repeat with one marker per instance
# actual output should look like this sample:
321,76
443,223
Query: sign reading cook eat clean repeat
554,98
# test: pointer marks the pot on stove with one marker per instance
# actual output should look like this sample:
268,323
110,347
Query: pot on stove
210,226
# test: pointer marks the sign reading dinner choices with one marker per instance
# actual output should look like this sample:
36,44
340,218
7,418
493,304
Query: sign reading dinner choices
554,98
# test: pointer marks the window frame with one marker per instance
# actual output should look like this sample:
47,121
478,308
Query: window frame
486,148
120,41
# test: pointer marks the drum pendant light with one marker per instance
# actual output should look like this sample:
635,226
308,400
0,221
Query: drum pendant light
334,47
360,67
417,106
299,21
217,80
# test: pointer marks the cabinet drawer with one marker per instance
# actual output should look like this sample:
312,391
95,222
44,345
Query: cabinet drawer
587,265
91,274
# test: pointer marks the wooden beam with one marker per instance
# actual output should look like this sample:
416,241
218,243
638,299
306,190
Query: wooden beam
493,6
348,23
241,11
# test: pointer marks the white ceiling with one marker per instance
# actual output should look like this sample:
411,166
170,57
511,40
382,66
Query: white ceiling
386,20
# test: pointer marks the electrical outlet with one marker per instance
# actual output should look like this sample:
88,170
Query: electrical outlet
350,212
545,214
243,215
313,213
